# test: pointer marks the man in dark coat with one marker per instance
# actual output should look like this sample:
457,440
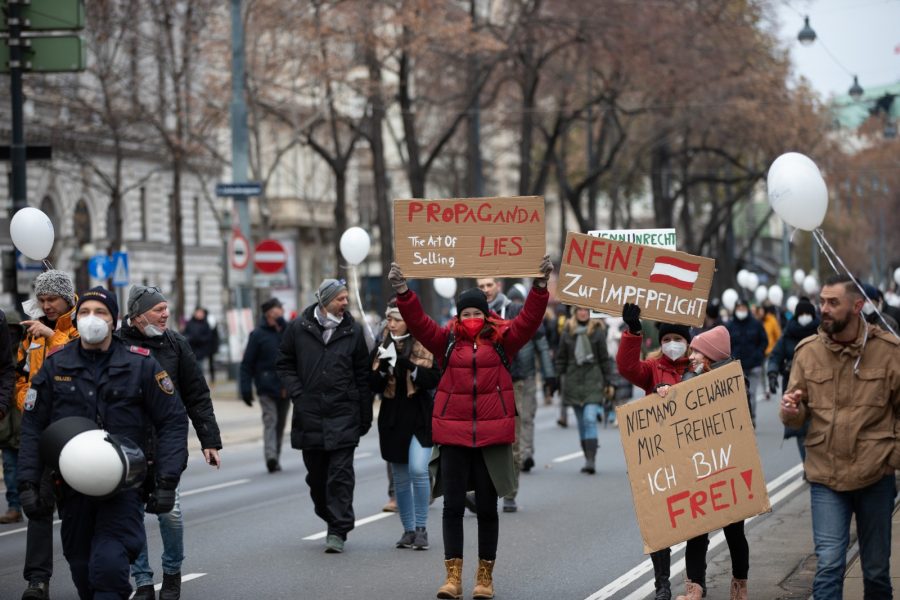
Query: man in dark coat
203,338
125,389
147,327
258,366
323,363
748,345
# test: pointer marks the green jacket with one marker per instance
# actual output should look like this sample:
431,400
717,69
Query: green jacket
499,462
586,383
10,428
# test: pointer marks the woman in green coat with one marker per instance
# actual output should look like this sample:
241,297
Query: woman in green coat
583,364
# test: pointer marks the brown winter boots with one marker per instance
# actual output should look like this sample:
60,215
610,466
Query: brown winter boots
738,589
692,591
452,588
484,582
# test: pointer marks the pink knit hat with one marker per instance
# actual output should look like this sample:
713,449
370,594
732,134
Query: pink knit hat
714,344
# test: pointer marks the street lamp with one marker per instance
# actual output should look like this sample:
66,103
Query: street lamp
855,91
806,36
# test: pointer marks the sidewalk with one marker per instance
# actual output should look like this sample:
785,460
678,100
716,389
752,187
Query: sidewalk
783,560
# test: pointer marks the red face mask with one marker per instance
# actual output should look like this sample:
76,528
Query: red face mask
473,326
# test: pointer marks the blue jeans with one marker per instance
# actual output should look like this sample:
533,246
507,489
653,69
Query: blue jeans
587,420
831,513
171,530
412,486
10,467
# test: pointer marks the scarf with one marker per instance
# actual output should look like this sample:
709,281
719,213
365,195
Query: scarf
583,351
406,348
329,325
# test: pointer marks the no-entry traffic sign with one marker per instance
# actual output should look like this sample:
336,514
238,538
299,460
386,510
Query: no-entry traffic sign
269,256
240,251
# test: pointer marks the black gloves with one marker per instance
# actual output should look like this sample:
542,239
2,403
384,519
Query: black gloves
551,385
773,382
32,504
631,314
247,398
162,499
384,366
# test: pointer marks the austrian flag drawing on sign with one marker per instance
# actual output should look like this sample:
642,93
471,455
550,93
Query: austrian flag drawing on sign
605,274
672,271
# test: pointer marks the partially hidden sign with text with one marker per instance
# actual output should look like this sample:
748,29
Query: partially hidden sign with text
470,237
692,458
605,274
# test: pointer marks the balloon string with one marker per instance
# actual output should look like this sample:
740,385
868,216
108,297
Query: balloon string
370,343
819,236
47,264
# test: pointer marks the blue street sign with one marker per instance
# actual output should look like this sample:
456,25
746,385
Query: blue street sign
247,188
119,263
99,266
23,263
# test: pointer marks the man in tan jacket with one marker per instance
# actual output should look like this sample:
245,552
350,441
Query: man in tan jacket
845,381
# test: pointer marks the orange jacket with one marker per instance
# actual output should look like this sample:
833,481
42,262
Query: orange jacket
34,349
773,331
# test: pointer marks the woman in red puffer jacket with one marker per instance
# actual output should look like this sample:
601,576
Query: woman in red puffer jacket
473,423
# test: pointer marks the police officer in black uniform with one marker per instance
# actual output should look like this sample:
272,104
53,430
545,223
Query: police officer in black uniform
124,390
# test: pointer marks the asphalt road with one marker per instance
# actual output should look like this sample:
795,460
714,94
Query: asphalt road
250,534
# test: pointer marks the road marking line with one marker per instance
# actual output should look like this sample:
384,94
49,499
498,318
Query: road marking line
21,529
646,566
210,488
564,458
372,519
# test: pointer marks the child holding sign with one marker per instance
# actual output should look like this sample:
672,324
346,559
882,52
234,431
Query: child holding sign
711,350
661,369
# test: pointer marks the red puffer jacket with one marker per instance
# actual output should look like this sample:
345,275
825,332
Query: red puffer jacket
647,374
474,404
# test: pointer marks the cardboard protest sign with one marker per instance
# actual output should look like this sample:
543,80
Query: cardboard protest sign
470,237
605,274
692,458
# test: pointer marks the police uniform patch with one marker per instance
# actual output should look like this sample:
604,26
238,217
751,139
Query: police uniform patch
165,382
30,398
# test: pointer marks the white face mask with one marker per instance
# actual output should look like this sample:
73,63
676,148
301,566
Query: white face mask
868,308
740,315
150,330
804,320
92,329
674,350
699,369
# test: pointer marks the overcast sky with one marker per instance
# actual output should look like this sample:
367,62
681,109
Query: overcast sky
863,35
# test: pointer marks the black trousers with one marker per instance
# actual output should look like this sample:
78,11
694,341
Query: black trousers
39,538
461,467
101,538
695,559
330,477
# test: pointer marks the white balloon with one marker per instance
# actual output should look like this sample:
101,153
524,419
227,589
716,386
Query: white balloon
892,299
776,294
791,304
897,275
90,464
761,294
729,298
445,287
32,232
355,244
742,277
797,192
752,281
799,276
810,284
